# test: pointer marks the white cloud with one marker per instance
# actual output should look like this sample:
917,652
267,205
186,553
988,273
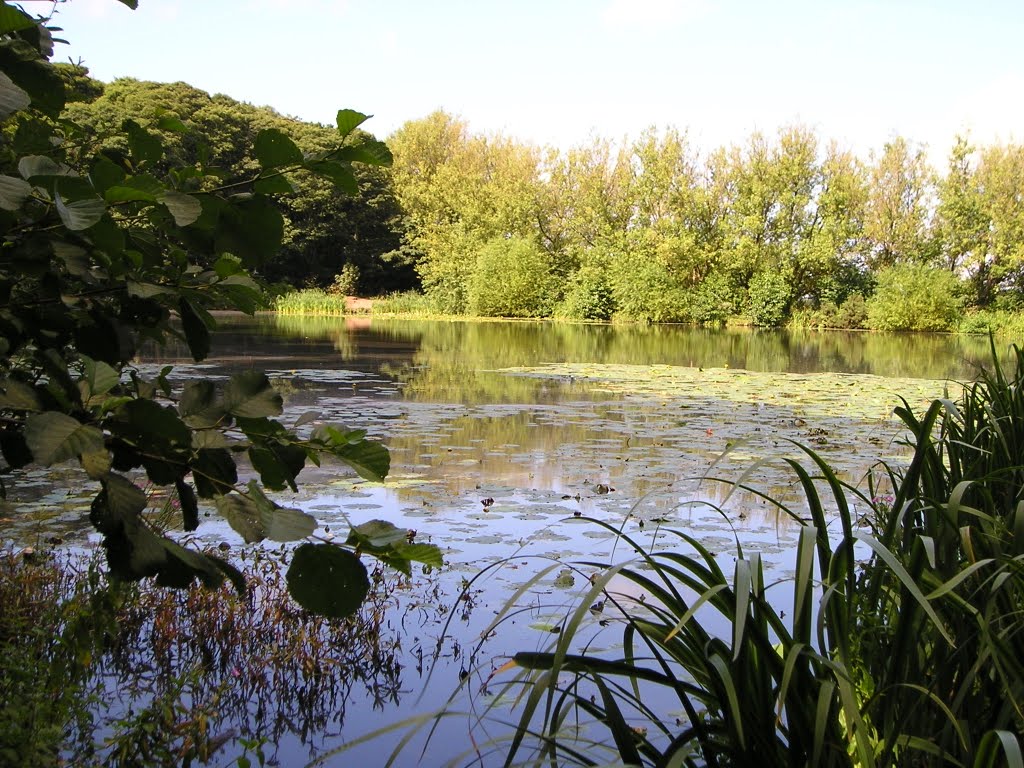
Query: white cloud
643,13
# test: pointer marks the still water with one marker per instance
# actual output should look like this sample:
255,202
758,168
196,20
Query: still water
505,437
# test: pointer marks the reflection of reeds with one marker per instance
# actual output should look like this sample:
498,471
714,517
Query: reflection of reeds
256,667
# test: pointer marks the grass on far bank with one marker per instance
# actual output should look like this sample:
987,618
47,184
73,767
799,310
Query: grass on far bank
317,302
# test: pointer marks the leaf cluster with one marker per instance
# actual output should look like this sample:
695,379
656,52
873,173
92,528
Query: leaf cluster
103,250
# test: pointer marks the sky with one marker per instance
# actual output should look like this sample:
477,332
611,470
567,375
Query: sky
560,72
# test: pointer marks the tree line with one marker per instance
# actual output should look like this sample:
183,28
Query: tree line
326,225
789,228
776,229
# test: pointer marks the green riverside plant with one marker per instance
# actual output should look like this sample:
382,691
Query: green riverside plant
898,641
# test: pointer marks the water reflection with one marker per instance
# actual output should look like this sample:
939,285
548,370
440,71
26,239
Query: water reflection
501,432
489,345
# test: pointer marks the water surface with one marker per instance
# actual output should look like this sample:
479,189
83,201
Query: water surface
503,434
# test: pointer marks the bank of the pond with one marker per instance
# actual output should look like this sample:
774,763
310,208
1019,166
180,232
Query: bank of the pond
320,303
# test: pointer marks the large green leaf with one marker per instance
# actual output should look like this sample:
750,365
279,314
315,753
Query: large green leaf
348,120
242,515
105,174
250,229
34,166
376,534
171,124
96,464
13,19
276,184
121,501
98,376
255,517
327,580
145,146
142,187
428,554
340,174
54,437
12,98
134,551
41,82
370,152
391,545
214,472
13,192
370,460
280,523
198,405
197,330
79,214
184,208
274,149
287,524
249,395
18,396
278,464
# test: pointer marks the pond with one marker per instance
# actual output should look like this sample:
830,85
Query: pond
506,437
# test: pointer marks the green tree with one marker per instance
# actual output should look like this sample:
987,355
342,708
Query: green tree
772,217
512,278
961,220
326,225
896,222
998,274
832,256
104,238
460,191
914,297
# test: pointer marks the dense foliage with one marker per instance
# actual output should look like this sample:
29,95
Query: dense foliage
773,230
330,225
129,231
770,229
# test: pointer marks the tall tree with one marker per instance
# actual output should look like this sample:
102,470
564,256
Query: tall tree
896,222
999,274
461,191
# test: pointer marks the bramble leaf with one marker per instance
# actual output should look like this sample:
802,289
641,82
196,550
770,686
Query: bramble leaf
12,98
274,149
13,192
327,580
79,214
250,395
184,208
54,437
348,120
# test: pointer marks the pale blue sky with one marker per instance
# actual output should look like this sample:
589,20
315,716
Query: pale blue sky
558,71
